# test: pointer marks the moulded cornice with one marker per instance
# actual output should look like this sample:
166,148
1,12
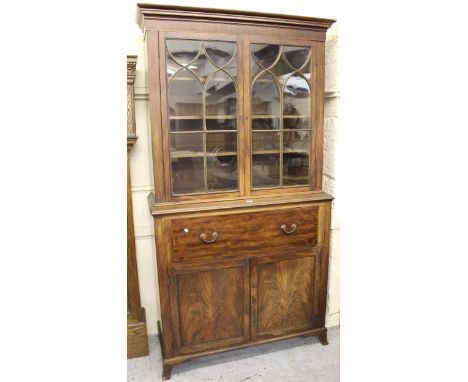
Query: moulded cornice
156,11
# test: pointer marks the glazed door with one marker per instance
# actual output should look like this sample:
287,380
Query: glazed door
210,305
285,293
283,109
201,114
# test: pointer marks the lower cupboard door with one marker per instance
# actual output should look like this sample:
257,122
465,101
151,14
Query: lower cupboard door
210,305
285,293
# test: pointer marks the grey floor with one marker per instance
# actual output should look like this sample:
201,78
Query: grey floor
296,360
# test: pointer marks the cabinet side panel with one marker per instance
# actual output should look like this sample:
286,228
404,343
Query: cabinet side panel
162,260
325,222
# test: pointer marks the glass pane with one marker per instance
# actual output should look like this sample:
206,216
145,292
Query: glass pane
254,68
296,100
202,67
295,169
221,142
266,140
186,144
265,123
187,175
296,55
306,71
296,123
183,51
265,96
185,95
220,52
298,141
171,67
183,124
265,55
220,98
221,123
282,70
265,170
222,173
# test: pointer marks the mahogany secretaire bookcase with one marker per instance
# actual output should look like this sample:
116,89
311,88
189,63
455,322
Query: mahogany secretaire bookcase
242,224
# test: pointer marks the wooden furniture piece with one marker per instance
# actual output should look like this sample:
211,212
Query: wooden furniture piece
241,221
137,339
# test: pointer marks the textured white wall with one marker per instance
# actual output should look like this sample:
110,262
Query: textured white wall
329,176
142,176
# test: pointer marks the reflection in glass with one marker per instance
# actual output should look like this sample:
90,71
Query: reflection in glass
185,97
222,173
180,124
265,170
202,67
221,123
296,123
295,169
282,70
171,66
187,175
186,144
265,123
220,95
296,100
220,52
265,96
183,51
298,141
265,140
296,55
221,142
254,68
266,55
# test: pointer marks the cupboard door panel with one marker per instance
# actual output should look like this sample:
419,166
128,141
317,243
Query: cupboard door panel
210,305
285,291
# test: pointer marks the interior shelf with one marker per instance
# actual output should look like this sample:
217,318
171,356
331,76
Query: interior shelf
263,116
193,154
175,117
285,151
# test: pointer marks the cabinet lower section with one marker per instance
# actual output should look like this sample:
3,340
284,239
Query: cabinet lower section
238,293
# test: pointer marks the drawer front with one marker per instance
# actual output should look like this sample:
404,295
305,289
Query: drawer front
244,233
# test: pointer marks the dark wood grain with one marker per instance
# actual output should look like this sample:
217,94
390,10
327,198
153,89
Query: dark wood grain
255,283
285,295
246,232
283,291
209,305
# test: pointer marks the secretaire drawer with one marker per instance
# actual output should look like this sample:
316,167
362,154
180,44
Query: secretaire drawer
251,233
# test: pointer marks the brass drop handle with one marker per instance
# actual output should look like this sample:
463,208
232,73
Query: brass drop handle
214,236
285,228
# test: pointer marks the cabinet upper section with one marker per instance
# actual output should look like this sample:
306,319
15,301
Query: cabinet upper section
236,110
